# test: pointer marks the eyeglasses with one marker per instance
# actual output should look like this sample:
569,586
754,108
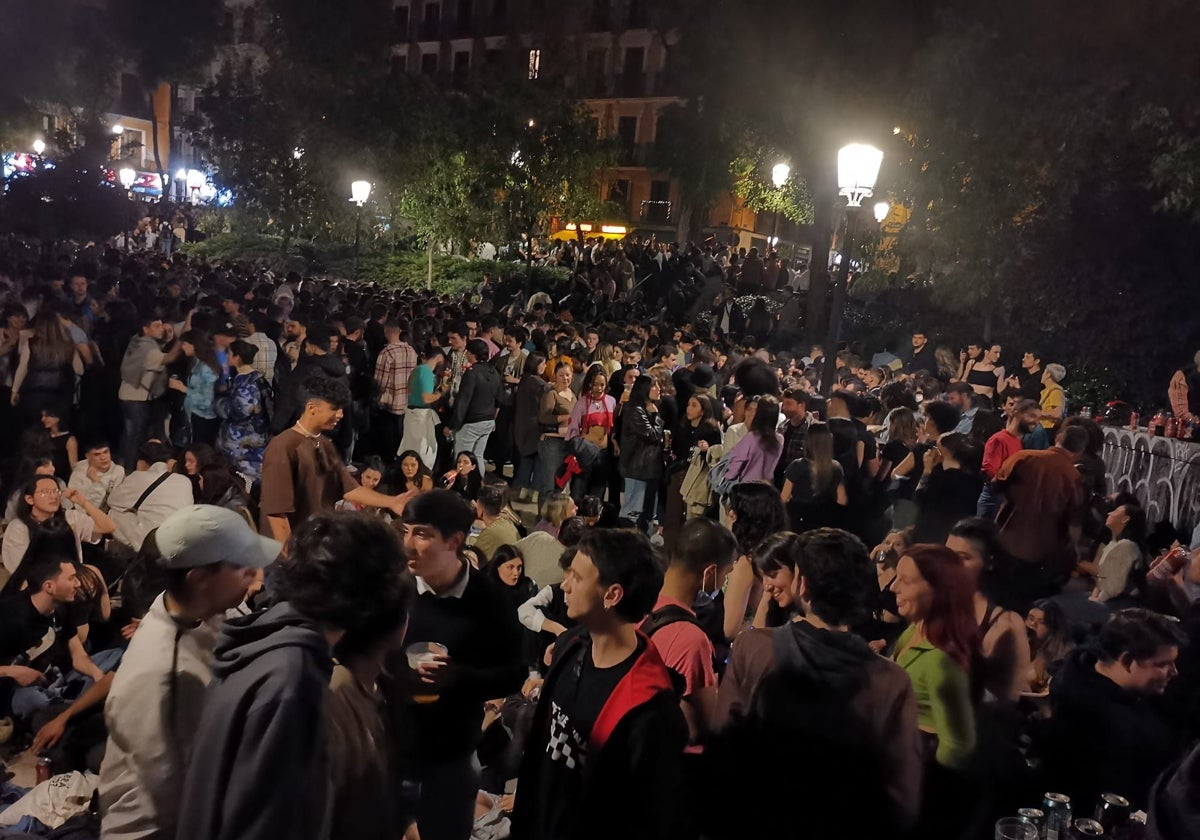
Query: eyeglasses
54,492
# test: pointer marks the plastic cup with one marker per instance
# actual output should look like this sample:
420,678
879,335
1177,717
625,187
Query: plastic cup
1015,828
423,652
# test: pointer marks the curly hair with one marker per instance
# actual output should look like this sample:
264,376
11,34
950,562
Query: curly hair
346,570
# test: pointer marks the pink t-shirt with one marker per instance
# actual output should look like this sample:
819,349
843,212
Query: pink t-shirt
685,649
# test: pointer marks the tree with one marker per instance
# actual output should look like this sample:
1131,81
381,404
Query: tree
170,41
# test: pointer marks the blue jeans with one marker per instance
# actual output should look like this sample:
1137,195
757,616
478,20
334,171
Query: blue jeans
551,451
525,476
473,437
28,701
136,415
635,498
989,502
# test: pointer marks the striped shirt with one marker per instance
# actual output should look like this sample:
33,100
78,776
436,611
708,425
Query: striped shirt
392,371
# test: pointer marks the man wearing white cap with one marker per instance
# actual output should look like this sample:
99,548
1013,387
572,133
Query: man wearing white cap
210,557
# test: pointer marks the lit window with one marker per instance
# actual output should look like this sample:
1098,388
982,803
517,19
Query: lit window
535,63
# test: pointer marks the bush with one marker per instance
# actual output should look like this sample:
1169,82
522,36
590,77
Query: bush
394,269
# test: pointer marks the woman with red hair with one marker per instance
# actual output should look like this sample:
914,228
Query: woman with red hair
934,594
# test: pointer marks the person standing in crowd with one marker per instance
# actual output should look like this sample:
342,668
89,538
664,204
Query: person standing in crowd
949,487
241,403
200,388
394,368
1028,383
498,529
1183,392
554,420
794,408
1105,735
702,556
921,356
527,401
210,558
302,472
1053,399
143,379
933,594
986,377
474,624
420,420
473,418
259,762
641,451
813,688
47,364
1042,514
608,728
756,454
268,351
814,488
1000,447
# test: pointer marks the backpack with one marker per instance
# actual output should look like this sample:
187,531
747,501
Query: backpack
660,618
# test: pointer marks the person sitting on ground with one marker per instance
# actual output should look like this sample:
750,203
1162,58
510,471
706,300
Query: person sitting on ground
97,474
556,508
1120,561
41,502
209,557
498,529
1050,640
148,495
813,688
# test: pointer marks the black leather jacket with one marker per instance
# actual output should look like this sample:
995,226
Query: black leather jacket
641,444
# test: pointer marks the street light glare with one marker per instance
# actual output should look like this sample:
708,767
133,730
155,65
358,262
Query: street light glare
118,129
127,176
39,146
360,191
181,175
780,174
858,168
882,208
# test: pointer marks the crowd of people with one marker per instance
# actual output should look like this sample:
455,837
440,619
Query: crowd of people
291,557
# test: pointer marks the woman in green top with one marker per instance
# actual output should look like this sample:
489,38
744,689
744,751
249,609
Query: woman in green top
934,595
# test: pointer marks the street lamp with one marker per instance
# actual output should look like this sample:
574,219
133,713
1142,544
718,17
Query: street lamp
118,129
779,176
360,191
39,146
127,176
195,180
858,169
882,208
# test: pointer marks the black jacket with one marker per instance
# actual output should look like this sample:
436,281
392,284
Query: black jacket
634,779
641,444
289,400
258,769
478,396
1102,738
526,404
924,359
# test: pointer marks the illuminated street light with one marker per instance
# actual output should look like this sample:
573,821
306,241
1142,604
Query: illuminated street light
127,177
779,174
118,129
39,146
195,180
858,169
360,191
297,153
882,208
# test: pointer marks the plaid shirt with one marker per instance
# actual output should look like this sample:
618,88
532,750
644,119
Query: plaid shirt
393,369
264,359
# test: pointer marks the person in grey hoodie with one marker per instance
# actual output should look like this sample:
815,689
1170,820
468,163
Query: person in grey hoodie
210,557
259,767
838,721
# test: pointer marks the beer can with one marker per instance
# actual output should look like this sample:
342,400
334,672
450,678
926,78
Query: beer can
1085,828
43,769
1112,812
1133,421
1058,816
1035,817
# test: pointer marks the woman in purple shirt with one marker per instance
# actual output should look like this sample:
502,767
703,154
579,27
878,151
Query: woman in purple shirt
755,455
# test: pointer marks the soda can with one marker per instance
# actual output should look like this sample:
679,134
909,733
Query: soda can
1058,816
1085,828
1035,817
43,769
1133,421
1112,812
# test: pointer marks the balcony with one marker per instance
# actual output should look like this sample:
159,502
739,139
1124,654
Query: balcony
631,84
430,30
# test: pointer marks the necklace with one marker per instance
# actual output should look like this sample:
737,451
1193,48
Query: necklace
316,439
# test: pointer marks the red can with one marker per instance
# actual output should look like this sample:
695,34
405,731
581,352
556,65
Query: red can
1133,421
43,770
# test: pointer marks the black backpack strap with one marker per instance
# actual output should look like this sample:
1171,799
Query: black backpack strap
669,614
146,493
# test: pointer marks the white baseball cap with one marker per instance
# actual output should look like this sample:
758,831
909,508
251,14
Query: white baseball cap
202,535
